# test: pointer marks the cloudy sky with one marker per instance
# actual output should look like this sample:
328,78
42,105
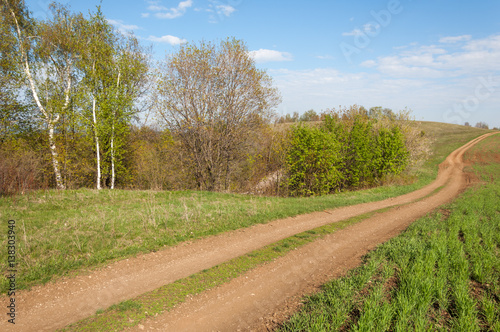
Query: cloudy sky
439,58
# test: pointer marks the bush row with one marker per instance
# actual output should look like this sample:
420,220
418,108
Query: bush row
346,151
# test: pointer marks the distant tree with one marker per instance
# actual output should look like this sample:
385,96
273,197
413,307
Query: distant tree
288,118
310,115
363,111
211,96
467,124
482,125
379,112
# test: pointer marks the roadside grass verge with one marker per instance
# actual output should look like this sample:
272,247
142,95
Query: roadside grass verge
442,273
63,232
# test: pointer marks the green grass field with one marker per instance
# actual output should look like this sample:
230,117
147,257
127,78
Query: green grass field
441,274
62,232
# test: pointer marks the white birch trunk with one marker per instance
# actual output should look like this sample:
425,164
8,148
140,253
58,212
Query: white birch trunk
96,137
113,176
55,163
47,117
113,156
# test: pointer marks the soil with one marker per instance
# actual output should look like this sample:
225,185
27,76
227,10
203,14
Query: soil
257,300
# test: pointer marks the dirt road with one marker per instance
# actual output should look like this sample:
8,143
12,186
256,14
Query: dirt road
245,302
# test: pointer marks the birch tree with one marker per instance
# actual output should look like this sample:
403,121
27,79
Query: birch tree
98,41
130,70
115,70
46,55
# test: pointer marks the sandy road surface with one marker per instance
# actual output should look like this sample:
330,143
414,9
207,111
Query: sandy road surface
245,301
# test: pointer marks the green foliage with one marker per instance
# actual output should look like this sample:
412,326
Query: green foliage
391,155
313,162
349,150
361,154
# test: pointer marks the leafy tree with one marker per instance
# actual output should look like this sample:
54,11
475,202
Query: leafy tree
98,41
310,115
348,150
10,79
45,55
115,72
379,112
130,70
482,125
211,96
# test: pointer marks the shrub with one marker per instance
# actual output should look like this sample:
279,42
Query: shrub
391,155
351,149
313,162
360,155
19,169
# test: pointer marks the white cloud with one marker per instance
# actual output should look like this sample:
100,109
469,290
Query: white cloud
456,39
478,57
172,40
490,44
368,64
169,13
324,57
185,4
157,8
225,10
217,11
122,26
264,55
368,28
355,32
431,80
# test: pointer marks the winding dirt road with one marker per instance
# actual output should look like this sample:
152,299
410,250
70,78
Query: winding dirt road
250,301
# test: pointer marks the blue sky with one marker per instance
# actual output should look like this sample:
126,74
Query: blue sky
439,58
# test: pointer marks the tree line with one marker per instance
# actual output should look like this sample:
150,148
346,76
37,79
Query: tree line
83,105
68,79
